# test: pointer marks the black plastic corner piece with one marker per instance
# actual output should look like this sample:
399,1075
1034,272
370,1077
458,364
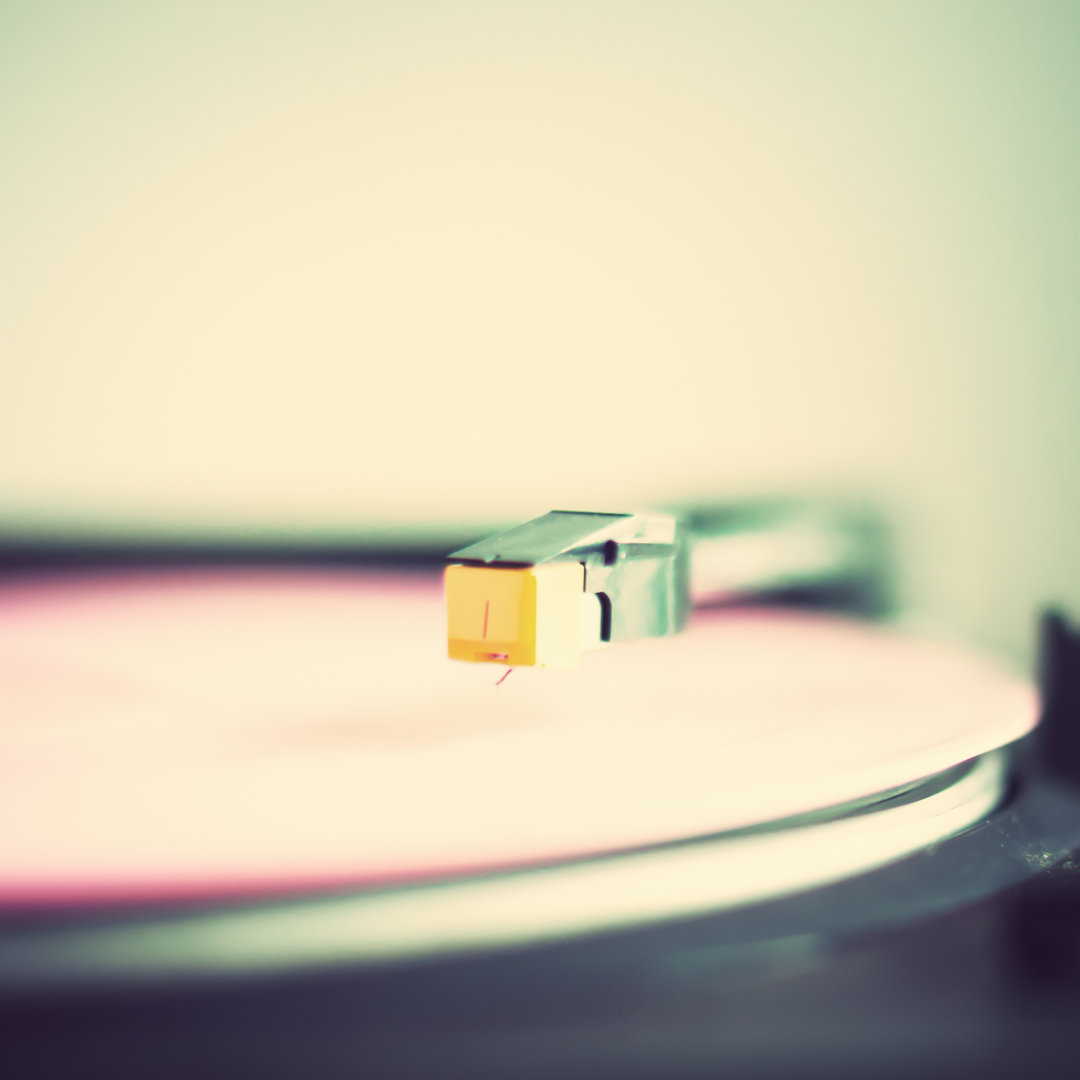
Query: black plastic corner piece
1058,734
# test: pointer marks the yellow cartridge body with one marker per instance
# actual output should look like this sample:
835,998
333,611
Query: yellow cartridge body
515,616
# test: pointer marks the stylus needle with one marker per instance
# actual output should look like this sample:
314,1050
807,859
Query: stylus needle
503,676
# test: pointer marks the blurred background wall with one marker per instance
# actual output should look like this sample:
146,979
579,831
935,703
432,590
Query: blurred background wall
342,266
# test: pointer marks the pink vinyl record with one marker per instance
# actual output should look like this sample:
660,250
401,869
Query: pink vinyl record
195,734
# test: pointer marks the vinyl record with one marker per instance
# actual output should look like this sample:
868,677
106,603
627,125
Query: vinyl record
210,734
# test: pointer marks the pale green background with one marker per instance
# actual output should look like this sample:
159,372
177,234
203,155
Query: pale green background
318,265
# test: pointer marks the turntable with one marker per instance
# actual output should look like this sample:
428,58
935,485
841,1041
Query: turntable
254,807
